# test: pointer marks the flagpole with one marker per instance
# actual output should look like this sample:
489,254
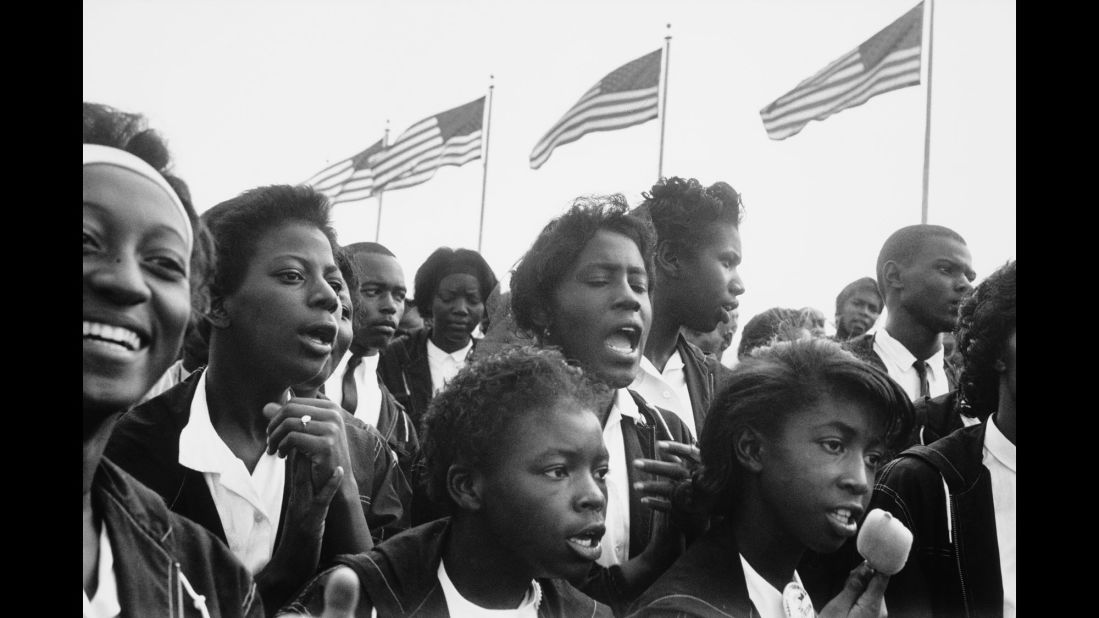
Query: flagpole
664,105
927,123
484,175
378,228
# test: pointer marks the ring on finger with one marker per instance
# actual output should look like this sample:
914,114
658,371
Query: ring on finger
305,421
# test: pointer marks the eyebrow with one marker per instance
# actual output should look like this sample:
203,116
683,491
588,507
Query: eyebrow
159,228
614,267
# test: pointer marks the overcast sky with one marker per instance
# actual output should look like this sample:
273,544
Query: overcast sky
260,92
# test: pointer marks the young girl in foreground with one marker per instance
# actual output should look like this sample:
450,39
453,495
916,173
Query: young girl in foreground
514,445
790,451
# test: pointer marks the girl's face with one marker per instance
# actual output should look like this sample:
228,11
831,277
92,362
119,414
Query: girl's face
601,310
546,495
137,298
456,310
817,473
284,318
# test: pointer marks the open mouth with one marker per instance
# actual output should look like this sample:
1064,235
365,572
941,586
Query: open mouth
123,338
588,543
845,518
321,334
624,340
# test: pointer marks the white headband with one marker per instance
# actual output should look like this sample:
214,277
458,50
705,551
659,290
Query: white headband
95,153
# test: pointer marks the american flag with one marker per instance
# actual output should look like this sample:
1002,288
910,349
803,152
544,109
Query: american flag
452,137
627,96
887,61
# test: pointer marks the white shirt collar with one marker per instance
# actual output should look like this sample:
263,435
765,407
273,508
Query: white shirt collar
998,445
434,352
900,355
457,605
766,598
625,405
105,604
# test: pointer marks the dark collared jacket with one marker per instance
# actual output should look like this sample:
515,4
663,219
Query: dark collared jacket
162,561
400,578
863,347
405,370
708,580
954,566
704,376
145,443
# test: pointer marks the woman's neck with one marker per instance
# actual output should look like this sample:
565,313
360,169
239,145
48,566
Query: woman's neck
484,573
772,552
661,340
235,400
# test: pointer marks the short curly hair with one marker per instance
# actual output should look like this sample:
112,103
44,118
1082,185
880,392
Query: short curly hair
904,244
107,126
541,269
767,388
768,327
439,264
683,211
238,224
470,419
986,320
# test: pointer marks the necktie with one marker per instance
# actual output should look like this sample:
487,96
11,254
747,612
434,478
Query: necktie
350,393
921,370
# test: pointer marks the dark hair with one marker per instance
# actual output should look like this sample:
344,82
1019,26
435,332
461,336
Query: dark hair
239,223
905,243
441,263
765,389
357,248
347,270
856,286
470,419
107,126
774,324
986,320
560,243
682,210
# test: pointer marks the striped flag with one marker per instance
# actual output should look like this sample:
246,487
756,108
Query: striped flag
888,61
450,138
627,96
350,180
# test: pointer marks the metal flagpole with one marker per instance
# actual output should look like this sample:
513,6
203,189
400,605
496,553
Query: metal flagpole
664,102
927,130
484,175
378,228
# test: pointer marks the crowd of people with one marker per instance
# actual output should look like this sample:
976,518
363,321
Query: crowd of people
275,426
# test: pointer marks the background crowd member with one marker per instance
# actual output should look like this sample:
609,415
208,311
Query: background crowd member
695,284
713,343
814,320
450,290
378,298
958,495
789,456
513,444
924,272
583,287
214,446
858,306
773,325
138,235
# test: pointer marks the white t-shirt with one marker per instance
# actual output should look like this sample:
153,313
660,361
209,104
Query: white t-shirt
999,458
444,366
105,604
766,598
898,361
667,389
616,541
248,505
368,406
458,606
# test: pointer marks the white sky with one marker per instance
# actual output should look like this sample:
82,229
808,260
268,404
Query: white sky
251,92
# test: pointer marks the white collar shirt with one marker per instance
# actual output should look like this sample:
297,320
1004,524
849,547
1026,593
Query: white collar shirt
898,361
248,505
999,457
105,604
616,541
457,605
666,389
369,403
766,598
445,365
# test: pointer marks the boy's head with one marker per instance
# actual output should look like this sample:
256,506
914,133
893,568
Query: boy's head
773,325
450,288
513,441
584,286
985,335
924,271
379,296
801,427
698,249
858,306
